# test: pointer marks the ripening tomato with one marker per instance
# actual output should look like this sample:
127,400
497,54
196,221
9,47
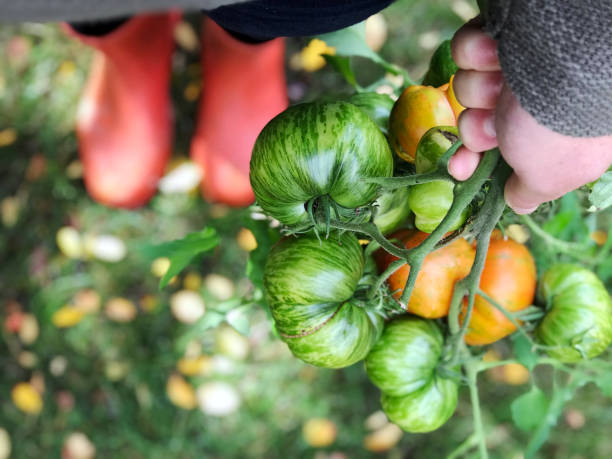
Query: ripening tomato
509,278
417,110
434,285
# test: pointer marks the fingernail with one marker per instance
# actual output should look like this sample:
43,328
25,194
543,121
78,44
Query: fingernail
488,126
524,211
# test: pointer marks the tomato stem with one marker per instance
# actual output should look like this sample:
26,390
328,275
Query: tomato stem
471,368
484,222
577,251
464,193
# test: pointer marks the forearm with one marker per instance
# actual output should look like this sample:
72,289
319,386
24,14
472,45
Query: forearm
556,56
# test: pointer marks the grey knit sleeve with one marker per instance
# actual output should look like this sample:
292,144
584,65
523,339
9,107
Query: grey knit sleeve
556,56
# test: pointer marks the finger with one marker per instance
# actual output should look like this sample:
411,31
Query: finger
463,163
475,89
477,129
473,49
520,197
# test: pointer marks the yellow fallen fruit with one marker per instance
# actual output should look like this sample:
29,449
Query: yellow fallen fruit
120,310
180,392
67,316
246,240
5,444
193,366
69,242
26,398
319,432
383,439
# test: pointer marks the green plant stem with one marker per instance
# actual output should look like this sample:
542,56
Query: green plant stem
397,264
577,251
485,223
393,183
464,193
371,230
472,375
560,396
482,366
508,315
395,70
469,443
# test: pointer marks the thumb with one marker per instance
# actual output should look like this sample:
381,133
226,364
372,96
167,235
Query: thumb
520,197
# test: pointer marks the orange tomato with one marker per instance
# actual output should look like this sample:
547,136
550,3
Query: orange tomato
450,95
417,110
435,282
509,278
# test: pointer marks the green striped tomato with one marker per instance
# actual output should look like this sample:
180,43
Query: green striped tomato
392,209
377,106
403,364
310,287
579,318
317,150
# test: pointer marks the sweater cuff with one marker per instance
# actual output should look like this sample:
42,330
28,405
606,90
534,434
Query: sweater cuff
556,57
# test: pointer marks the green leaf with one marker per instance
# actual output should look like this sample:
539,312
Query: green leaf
351,42
209,320
604,270
601,196
239,320
529,409
441,66
523,352
558,223
182,251
604,382
342,64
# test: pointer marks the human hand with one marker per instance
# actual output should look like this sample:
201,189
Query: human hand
546,164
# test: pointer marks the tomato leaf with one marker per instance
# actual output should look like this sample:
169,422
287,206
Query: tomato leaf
182,251
604,382
342,64
441,66
238,319
196,331
523,352
529,409
601,196
351,42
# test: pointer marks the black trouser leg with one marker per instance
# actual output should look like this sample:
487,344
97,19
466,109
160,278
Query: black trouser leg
266,19
98,28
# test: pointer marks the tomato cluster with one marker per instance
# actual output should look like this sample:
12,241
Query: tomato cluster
318,163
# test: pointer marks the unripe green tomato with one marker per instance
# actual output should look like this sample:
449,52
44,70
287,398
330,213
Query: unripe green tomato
310,286
404,365
393,209
430,201
317,150
578,322
377,106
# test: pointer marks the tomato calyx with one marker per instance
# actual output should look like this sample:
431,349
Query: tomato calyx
322,210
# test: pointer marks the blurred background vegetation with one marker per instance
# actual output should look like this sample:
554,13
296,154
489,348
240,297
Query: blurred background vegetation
97,361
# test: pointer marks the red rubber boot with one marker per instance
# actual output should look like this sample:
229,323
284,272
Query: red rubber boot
124,117
244,88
